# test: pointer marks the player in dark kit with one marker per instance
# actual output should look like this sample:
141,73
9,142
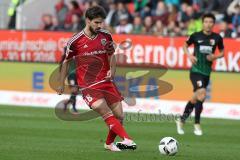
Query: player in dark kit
205,43
72,82
93,50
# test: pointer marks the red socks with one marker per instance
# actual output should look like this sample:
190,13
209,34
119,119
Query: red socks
115,128
111,137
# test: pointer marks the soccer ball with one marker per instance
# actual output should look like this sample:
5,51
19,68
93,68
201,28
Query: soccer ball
168,146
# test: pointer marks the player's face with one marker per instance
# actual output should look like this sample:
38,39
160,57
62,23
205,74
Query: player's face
208,24
95,24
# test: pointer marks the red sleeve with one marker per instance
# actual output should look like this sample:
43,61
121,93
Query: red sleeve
110,45
70,52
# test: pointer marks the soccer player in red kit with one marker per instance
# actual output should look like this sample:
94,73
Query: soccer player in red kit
92,49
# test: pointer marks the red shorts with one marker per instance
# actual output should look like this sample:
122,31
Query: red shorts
106,90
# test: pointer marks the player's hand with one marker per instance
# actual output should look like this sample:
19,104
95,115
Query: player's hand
210,57
60,90
193,59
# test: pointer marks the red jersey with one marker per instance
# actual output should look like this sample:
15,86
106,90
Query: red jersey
91,57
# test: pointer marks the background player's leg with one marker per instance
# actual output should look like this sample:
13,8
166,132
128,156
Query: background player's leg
72,99
190,105
101,107
201,95
189,108
73,96
187,112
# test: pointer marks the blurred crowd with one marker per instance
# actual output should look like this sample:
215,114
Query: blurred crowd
149,17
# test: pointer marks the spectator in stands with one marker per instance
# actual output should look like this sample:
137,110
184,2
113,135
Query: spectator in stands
172,2
224,30
160,10
55,25
103,3
146,11
153,17
77,23
219,6
139,5
236,20
198,5
94,3
182,10
137,25
12,12
161,13
194,24
124,27
85,5
47,22
173,14
182,14
123,1
173,29
61,11
232,9
187,13
73,8
123,10
159,29
148,26
112,19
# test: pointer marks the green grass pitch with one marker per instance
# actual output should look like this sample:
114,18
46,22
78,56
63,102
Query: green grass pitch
28,133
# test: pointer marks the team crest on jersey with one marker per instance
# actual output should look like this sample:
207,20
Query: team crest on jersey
103,42
212,42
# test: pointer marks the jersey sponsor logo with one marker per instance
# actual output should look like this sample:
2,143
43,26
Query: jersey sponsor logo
95,52
200,41
212,42
206,49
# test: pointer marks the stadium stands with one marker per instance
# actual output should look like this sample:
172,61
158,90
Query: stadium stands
151,17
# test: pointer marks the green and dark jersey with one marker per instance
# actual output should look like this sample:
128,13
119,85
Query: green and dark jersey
203,46
72,70
72,66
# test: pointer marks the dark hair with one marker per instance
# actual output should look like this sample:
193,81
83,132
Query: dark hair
75,4
209,15
95,12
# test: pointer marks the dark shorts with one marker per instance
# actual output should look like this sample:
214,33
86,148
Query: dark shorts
72,80
199,80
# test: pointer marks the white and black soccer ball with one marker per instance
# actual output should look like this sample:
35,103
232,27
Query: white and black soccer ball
168,146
